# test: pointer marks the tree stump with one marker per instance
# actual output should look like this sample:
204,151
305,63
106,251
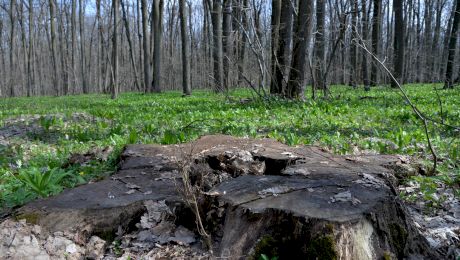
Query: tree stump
257,197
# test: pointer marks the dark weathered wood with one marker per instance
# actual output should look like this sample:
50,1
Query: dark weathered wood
256,195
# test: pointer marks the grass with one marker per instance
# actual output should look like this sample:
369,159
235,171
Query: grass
352,120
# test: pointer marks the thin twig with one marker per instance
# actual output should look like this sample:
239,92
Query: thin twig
406,97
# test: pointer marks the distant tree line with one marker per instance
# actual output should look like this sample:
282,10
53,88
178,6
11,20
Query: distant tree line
61,47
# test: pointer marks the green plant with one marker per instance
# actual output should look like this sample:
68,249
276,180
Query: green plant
42,181
46,122
265,257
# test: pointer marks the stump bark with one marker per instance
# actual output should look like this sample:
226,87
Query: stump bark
257,197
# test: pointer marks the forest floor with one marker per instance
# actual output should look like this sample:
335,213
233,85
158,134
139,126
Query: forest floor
51,143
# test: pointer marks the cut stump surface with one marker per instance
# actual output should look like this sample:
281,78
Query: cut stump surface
259,197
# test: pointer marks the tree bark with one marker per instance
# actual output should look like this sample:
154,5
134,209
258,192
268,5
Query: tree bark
157,30
284,43
115,8
12,77
275,26
319,65
216,18
448,82
84,80
53,46
243,41
185,50
130,45
145,44
227,41
30,62
73,25
364,39
376,21
296,85
398,54
353,51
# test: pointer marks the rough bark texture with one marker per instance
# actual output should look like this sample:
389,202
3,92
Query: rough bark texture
398,55
145,44
320,51
227,41
115,8
258,197
284,46
52,10
353,50
296,84
275,25
83,68
448,82
364,33
157,34
376,21
217,53
186,88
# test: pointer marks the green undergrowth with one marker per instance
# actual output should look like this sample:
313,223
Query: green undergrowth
351,120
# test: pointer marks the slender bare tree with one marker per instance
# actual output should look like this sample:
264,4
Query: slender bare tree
186,88
157,35
216,18
398,42
145,44
115,8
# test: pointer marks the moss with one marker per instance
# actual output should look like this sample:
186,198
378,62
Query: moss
322,247
399,238
268,246
329,228
386,256
31,218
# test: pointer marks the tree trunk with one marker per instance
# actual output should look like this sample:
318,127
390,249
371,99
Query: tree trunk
243,41
275,26
433,56
227,41
296,85
84,80
157,34
130,45
448,82
53,46
30,62
115,8
217,45
12,48
73,25
398,59
319,66
284,45
185,49
353,51
3,63
376,21
145,44
364,40
63,52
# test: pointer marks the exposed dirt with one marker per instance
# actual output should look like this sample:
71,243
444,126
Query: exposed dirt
255,197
